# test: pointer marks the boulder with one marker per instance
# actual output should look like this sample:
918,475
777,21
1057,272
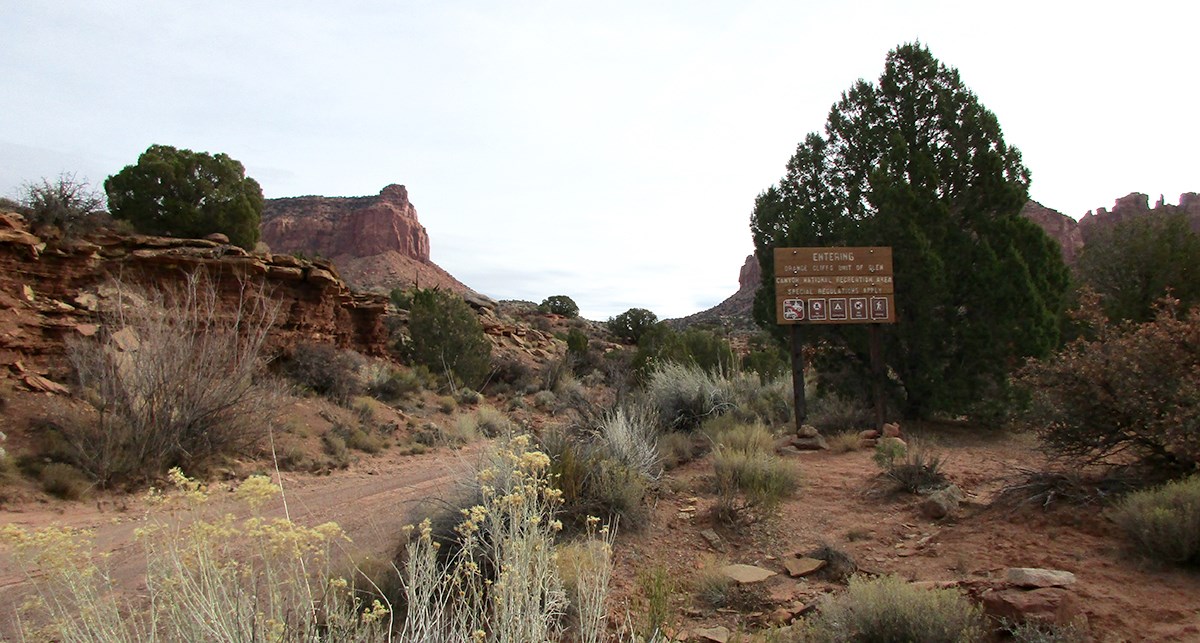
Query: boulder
1045,605
941,503
1033,577
891,430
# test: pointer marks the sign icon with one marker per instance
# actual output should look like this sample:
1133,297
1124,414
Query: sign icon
793,309
837,308
879,308
858,308
816,309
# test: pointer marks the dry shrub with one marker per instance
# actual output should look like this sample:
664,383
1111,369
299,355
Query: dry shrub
1072,487
1164,523
684,396
747,475
1126,390
174,379
63,481
839,412
326,370
594,483
890,609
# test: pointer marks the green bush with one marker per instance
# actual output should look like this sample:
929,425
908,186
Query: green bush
559,305
693,347
630,325
448,338
1124,388
325,370
1164,523
188,194
890,609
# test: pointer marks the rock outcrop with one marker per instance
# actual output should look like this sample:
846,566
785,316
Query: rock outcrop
1057,226
737,311
52,289
1137,204
375,241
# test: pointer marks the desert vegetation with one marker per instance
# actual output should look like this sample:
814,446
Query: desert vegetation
615,471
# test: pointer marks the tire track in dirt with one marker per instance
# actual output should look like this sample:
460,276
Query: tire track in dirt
371,501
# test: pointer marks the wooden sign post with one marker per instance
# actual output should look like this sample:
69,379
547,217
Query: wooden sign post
834,286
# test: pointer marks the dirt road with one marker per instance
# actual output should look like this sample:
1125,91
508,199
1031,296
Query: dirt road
371,501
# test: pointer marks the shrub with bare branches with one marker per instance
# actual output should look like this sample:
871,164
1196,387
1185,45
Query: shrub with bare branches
173,378
1124,393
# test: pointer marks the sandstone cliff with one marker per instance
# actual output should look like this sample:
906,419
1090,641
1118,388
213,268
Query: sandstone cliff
1136,204
375,241
52,289
1057,226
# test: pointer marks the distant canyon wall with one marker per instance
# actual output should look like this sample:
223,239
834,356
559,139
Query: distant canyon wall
377,242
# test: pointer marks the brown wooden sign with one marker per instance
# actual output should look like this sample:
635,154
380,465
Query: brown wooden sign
834,286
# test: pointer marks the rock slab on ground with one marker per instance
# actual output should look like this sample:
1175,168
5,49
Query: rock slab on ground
797,567
1036,577
1045,605
746,574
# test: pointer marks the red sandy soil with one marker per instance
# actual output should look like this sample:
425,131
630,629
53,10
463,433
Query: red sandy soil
1124,599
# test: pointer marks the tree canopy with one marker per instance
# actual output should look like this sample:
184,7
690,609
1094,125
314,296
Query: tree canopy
915,162
182,193
1134,263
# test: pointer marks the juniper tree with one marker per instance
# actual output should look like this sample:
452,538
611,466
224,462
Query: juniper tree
182,193
915,162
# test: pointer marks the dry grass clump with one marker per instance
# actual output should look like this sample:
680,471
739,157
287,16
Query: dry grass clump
747,474
890,609
595,483
209,578
684,396
914,467
831,412
1164,523
844,442
63,481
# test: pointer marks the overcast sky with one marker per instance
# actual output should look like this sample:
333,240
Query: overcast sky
610,151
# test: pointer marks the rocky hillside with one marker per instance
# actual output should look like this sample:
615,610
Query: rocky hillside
736,312
377,242
52,289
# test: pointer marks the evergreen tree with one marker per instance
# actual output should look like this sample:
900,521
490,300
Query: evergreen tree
448,338
181,193
915,162
1134,263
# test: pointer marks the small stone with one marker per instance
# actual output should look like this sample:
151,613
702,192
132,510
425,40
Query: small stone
891,430
869,434
797,567
808,431
713,539
719,634
217,237
1037,577
746,574
781,616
